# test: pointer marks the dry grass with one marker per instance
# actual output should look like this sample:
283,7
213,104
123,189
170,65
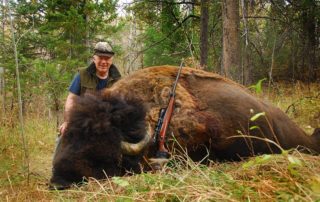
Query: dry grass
286,177
265,178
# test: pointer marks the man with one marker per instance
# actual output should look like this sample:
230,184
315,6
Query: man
100,74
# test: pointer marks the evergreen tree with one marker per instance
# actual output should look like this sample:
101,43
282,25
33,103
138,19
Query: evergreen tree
167,39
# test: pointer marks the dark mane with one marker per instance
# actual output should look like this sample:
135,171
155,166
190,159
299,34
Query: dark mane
91,146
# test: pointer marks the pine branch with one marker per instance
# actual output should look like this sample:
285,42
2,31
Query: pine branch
166,37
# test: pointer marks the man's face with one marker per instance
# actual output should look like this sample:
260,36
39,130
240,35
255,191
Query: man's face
102,63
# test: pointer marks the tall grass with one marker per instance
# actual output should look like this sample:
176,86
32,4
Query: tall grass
300,101
285,177
40,141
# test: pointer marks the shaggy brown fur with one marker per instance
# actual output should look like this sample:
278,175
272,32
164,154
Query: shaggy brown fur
212,114
212,110
91,145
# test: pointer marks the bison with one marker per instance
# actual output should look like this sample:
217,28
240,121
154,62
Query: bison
111,134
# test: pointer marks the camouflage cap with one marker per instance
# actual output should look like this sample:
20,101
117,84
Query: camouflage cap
103,49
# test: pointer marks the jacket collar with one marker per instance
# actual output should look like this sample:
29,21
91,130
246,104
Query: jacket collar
92,69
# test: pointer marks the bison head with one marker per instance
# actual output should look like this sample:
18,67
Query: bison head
105,137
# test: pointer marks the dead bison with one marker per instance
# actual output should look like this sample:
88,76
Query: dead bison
112,134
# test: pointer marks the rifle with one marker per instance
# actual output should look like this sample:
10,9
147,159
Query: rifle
165,115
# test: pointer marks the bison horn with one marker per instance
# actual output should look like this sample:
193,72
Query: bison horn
136,148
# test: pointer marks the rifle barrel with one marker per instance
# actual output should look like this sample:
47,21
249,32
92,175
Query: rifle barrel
176,81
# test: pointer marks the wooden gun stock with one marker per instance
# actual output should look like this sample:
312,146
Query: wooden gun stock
165,124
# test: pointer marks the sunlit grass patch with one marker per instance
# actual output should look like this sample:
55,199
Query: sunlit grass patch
262,178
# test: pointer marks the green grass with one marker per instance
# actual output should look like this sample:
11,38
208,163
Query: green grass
283,177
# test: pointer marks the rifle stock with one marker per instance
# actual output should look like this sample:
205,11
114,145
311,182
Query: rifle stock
165,124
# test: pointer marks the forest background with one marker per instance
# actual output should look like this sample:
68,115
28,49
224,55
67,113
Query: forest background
246,40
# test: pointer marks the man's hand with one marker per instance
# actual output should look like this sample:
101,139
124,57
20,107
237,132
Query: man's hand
62,128
67,108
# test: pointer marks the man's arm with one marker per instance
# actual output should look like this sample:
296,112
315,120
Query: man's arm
74,91
69,104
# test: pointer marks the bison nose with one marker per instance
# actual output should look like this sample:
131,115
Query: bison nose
59,184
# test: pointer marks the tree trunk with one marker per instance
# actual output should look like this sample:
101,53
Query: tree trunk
2,91
87,41
2,70
71,45
3,14
231,61
24,141
246,64
204,33
88,38
309,28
